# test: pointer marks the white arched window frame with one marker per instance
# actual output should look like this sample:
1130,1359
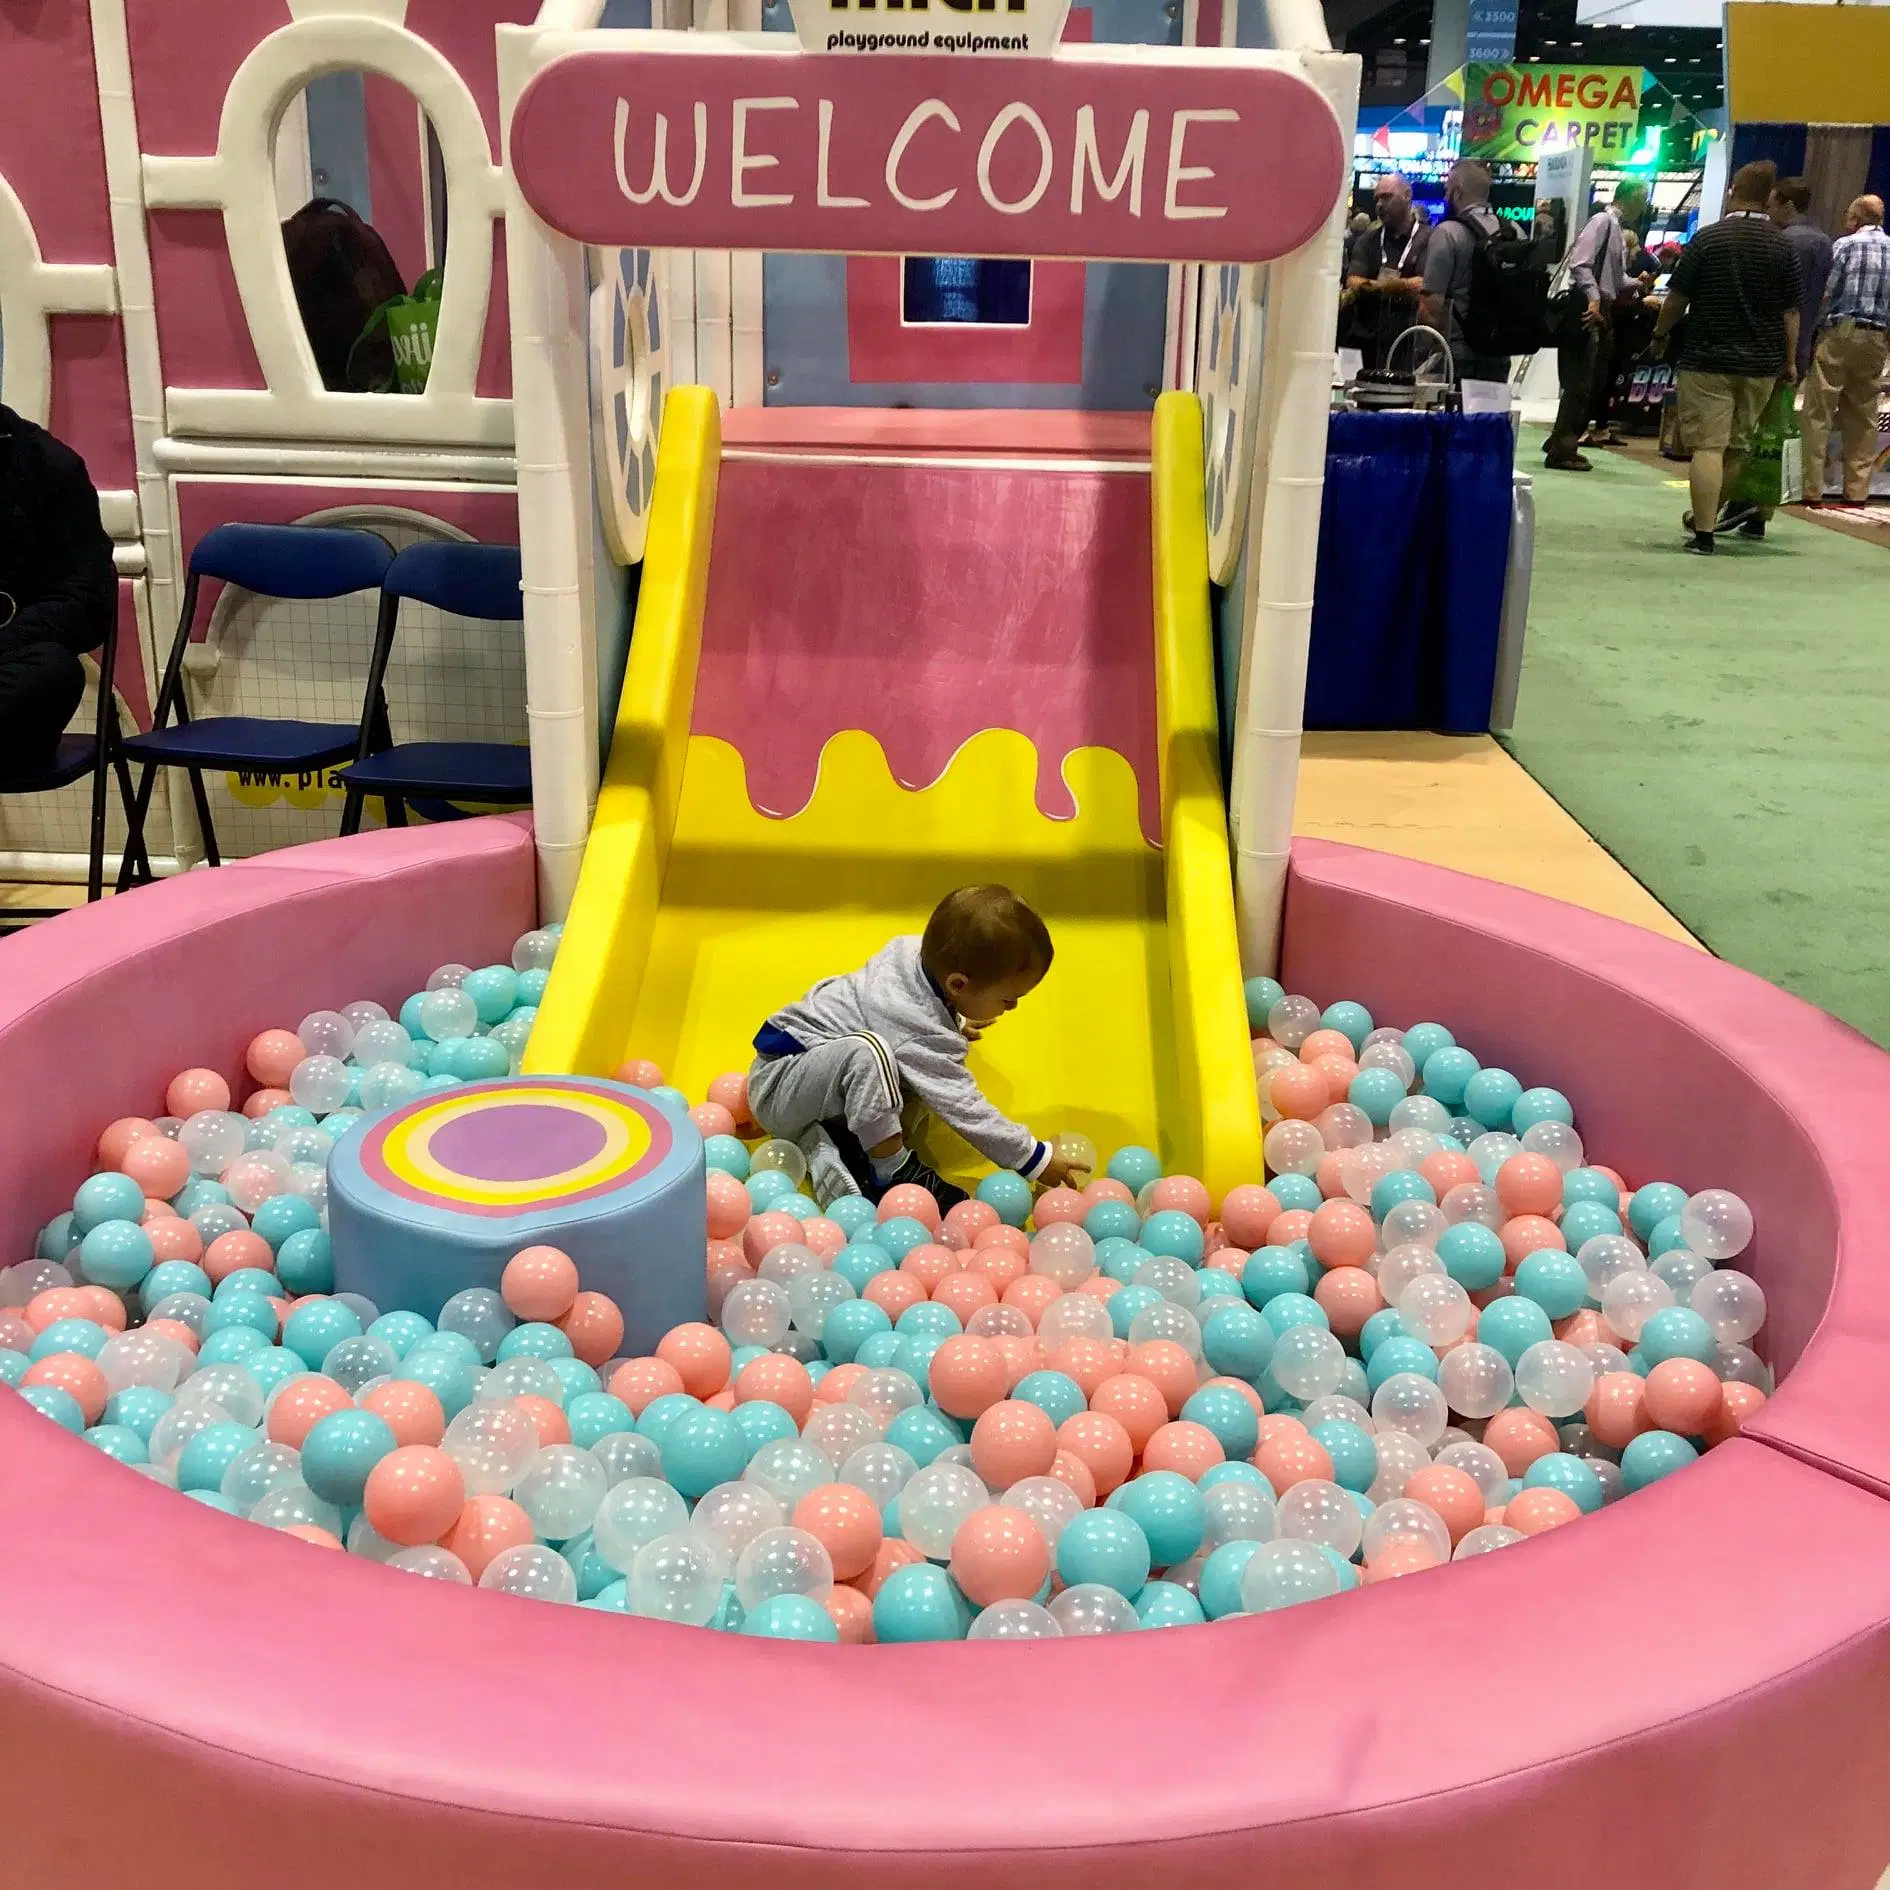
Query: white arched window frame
31,291
239,181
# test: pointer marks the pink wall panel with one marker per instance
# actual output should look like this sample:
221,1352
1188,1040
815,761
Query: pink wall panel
182,64
91,400
201,329
494,378
128,671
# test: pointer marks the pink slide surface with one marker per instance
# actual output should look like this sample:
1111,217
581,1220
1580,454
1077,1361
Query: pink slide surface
802,637
1544,1717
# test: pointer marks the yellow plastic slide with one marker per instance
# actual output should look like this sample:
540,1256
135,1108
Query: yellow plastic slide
696,915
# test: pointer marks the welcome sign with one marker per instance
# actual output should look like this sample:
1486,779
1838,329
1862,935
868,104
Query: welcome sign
1526,111
1086,155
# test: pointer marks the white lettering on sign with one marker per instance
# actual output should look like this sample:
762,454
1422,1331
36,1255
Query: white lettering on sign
919,114
1179,173
741,162
659,161
1088,162
824,197
1015,114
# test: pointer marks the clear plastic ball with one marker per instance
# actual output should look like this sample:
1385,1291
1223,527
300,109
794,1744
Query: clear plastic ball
382,1041
1362,1169
359,1011
1482,1466
532,1571
1090,1608
787,1468
1175,1280
883,1391
1732,1304
1400,1458
1281,1574
780,1155
1412,1224
1412,1404
677,1577
1064,1252
448,977
1321,1512
1558,1141
788,1262
325,1034
20,1283
812,1296
881,1470
1476,1380
1410,1148
1606,1358
492,1441
1385,1055
534,950
561,1490
311,1183
1419,1112
142,1358
447,1014
178,1426
838,1430
284,1505
1165,1320
626,1454
251,1474
1740,1364
1605,1258
1434,1308
1292,1020
1683,1270
212,1138
321,1084
188,1309
1632,1298
363,1539
1015,1620
1472,1201
1485,1537
1238,1511
634,1512
1401,1520
757,1312
1308,1361
520,1377
1717,1223
351,1363
234,1389
1048,1501
1403,1266
935,1501
1083,1316
999,1322
432,1563
732,1515
1293,1147
1490,1151
1345,1125
1554,1378
784,1561
1337,1409
478,1314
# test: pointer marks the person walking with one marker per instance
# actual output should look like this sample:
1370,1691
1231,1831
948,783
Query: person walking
1584,350
1736,285
1852,344
1449,266
1790,200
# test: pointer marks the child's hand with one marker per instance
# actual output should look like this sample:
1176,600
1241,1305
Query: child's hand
1057,1173
970,1031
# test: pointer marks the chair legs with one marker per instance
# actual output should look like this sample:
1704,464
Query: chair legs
134,854
205,825
351,811
95,865
135,869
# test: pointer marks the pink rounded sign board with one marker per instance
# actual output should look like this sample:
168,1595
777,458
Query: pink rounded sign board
1154,160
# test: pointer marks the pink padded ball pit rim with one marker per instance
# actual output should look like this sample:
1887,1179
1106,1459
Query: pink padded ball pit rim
1630,1024
1282,1725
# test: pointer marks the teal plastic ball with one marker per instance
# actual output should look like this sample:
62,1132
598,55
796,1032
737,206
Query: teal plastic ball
1168,1604
1351,1021
1236,1340
339,1452
1272,1271
1446,1073
1539,1105
1171,1234
1009,1194
1490,1097
1554,1279
106,1197
305,1263
1233,1420
1653,1455
1220,1579
117,1253
919,1602
1472,1255
1677,1332
1559,1470
730,1155
1512,1326
1378,1092
1107,1547
790,1618
1134,1166
702,1448
1652,1204
1261,995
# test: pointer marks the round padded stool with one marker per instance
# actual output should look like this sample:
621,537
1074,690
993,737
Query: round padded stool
438,1194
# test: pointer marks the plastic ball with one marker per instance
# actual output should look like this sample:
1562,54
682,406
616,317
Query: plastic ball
1476,1380
1283,1574
1731,1303
1091,1608
1103,1547
676,1577
1677,1332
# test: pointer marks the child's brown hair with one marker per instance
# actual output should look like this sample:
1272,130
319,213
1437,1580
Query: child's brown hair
985,933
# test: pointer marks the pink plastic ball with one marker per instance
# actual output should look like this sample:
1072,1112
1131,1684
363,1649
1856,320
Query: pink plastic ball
999,1264
1187,1448
851,1613
639,1073
156,1164
845,1522
174,1239
595,1328
823,1237
1100,1444
73,1372
929,1265
1529,1184
1520,1436
1294,1224
413,1412
731,1091
1184,1193
104,1306
1032,1295
712,1119
912,1202
485,1528
999,1553
701,1357
119,1136
193,1090
1167,1366
1525,1234
775,1378
55,1302
1447,1169
272,1056
729,1205
1010,1441
766,1232
965,1293
1533,1511
1342,1234
1058,1204
892,1293
1247,1213
1001,1234
553,1426
1107,1188
261,1101
1348,1296
641,1381
1135,1402
300,1405
539,1283
965,1221
415,1494
968,1376
239,1248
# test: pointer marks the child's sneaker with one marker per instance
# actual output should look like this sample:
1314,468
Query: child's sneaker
913,1172
828,1175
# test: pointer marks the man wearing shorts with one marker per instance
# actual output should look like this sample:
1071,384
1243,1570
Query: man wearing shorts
1736,284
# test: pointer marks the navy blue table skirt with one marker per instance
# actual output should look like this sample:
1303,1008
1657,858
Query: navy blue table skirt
1413,548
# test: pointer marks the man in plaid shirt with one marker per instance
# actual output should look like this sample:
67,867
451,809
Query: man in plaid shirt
1848,366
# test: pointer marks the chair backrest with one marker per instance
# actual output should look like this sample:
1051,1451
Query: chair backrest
464,580
293,560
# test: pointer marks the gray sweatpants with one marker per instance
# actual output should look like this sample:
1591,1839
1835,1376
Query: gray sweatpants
849,1079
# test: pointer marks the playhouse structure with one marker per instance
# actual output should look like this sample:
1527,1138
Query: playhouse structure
686,361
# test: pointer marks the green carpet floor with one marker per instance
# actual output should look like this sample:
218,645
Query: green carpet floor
1722,725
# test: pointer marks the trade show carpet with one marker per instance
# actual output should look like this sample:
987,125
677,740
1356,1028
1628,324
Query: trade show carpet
1719,725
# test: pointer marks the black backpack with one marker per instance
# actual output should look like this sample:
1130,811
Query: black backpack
1508,312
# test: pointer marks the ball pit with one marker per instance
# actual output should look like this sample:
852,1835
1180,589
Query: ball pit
1747,1691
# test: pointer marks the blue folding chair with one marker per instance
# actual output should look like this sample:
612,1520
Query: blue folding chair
464,581
75,758
298,561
